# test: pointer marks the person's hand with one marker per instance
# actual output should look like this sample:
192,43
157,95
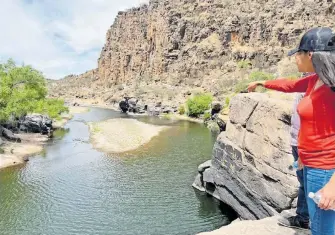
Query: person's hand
300,164
327,197
253,85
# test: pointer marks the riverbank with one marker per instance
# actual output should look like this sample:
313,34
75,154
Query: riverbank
16,153
121,135
104,105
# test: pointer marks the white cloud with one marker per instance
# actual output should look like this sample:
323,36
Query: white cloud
57,37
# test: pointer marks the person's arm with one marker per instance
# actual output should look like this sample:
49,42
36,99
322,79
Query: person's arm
284,85
328,195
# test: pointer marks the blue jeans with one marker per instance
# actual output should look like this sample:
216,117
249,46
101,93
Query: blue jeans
322,221
302,209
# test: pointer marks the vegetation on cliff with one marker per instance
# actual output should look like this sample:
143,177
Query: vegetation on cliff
198,104
23,90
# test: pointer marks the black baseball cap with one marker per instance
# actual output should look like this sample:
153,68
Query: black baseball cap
316,39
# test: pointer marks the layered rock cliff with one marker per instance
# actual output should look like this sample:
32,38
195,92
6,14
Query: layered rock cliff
166,49
250,167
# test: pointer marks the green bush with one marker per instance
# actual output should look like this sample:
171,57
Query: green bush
260,76
52,107
207,116
181,110
243,64
198,104
22,91
254,76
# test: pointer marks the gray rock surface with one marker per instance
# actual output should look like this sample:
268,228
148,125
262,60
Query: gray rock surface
250,163
36,123
202,167
8,135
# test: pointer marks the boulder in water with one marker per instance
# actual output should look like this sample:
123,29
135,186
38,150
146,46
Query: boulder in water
124,106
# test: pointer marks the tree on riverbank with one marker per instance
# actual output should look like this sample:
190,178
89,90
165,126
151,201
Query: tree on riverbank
23,90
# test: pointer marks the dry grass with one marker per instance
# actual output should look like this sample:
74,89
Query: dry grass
211,43
287,67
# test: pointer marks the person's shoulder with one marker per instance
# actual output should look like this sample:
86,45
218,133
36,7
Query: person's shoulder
311,78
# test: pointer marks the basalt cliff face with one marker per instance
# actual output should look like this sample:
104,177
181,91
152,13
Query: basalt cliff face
250,167
166,50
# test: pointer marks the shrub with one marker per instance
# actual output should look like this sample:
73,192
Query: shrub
181,110
198,104
243,64
260,76
52,107
207,116
23,90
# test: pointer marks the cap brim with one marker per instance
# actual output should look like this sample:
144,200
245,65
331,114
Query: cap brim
292,52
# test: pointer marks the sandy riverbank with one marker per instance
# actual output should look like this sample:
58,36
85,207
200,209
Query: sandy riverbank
121,135
18,153
12,154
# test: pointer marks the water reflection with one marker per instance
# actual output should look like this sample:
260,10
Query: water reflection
75,189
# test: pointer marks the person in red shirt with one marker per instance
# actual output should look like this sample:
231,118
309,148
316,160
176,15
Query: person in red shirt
316,139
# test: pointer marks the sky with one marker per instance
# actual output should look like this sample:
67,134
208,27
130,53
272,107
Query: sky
57,37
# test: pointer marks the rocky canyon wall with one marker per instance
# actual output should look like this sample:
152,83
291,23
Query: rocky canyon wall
193,41
166,49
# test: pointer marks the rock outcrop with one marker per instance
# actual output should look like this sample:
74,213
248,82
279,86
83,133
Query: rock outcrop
36,123
249,169
167,50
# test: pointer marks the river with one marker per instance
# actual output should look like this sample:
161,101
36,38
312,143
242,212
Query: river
73,189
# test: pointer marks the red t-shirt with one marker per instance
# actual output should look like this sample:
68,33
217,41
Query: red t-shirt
316,140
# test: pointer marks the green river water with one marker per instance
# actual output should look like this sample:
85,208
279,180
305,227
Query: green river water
73,189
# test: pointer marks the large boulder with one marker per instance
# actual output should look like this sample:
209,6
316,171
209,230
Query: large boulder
9,135
124,106
36,123
250,163
216,107
215,124
132,105
132,102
